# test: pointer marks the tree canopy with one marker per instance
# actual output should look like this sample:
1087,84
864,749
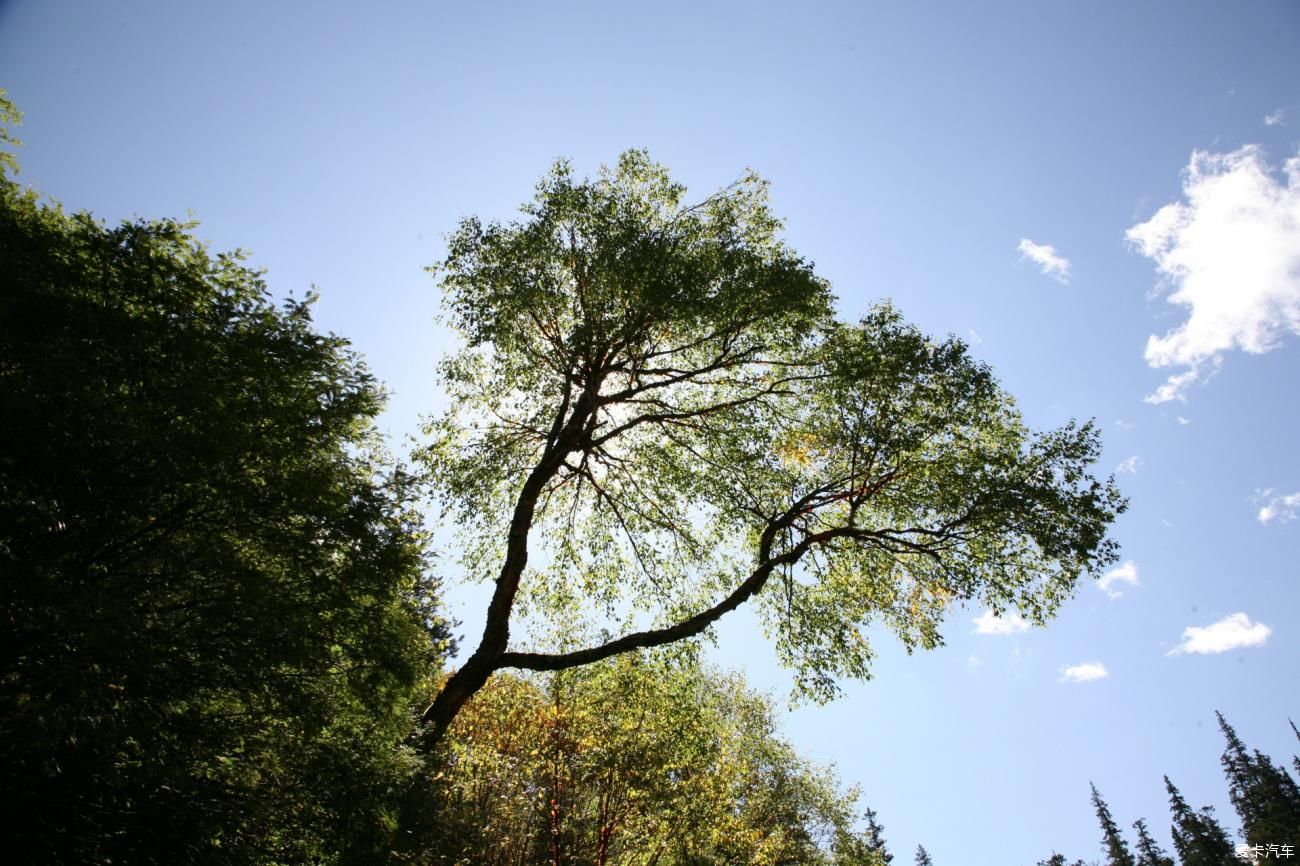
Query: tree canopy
639,759
217,610
656,410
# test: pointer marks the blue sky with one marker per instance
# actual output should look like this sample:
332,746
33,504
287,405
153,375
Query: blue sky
928,152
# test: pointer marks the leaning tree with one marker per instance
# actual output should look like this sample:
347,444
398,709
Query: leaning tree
656,412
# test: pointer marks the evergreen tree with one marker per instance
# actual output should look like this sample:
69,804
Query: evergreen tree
923,856
1240,773
1059,860
876,839
1199,839
1295,760
1265,796
1279,796
1117,852
1149,852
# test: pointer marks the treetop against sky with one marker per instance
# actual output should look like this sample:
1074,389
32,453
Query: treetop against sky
658,398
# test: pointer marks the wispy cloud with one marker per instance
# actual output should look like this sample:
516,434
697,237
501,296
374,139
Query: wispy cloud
1052,263
1124,574
1230,633
1084,673
1276,118
991,623
1130,465
1279,508
1231,254
1174,387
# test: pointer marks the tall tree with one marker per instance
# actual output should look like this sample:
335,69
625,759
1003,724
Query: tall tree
215,603
1112,841
1149,852
923,856
658,400
1265,796
1199,839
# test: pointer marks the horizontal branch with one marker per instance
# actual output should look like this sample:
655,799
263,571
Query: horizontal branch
696,624
651,637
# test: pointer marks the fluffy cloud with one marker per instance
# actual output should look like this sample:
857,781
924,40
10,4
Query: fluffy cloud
991,623
1130,465
1230,633
1275,119
1126,573
1052,263
1280,508
1084,673
1231,255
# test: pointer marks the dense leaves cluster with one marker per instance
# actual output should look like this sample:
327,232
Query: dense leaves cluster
638,761
216,614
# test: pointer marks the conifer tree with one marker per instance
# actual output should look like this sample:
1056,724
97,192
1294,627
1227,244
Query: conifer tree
876,838
1059,860
1265,796
1117,852
1237,767
1295,759
1149,852
1199,839
1279,796
923,856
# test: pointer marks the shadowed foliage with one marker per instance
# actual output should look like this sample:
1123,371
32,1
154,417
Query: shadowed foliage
216,615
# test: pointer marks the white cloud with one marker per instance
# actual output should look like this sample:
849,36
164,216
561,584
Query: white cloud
1280,508
1052,263
1275,119
991,623
1126,573
1124,425
1084,673
1231,253
1184,421
1173,387
1130,465
1230,633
